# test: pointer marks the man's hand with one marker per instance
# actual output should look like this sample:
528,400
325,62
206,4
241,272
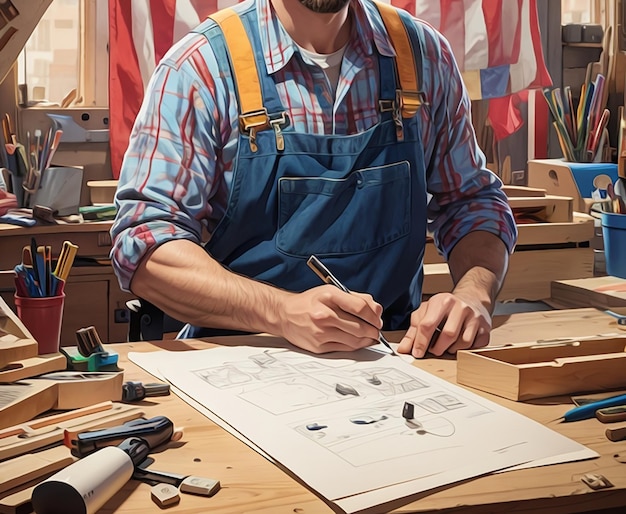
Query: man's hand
326,319
465,323
478,264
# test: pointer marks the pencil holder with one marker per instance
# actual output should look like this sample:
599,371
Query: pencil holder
43,318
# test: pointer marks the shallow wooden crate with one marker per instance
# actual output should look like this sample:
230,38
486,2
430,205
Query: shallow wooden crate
602,292
538,370
544,252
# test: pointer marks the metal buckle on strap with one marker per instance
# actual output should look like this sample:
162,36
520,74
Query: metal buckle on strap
410,102
397,115
281,121
252,122
386,105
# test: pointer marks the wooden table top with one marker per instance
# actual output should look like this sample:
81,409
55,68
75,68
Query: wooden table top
250,483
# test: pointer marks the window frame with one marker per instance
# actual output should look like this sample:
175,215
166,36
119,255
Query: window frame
94,72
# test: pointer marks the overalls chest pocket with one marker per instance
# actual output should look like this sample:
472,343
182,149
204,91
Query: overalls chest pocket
366,210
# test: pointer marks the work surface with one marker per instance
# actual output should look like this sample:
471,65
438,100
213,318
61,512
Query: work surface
250,483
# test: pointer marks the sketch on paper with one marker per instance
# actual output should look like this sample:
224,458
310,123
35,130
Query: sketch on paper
393,429
281,382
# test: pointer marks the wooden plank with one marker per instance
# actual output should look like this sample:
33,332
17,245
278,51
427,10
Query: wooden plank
91,388
530,273
551,208
601,292
27,368
580,230
15,445
16,342
13,347
21,470
23,401
524,191
28,428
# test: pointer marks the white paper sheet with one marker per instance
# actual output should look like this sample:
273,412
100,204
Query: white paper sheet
336,421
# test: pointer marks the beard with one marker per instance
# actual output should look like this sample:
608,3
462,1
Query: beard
324,6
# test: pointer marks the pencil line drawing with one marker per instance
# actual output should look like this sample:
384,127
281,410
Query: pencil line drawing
282,382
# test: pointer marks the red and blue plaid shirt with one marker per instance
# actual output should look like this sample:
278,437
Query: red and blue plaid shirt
177,171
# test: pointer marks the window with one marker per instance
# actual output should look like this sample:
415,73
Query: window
68,52
582,11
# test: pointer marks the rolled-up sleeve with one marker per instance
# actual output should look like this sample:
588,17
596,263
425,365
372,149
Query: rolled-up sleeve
168,173
466,196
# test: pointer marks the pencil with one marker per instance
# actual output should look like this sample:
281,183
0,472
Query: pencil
324,273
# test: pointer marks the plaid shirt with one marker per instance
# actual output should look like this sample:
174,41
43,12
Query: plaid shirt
177,171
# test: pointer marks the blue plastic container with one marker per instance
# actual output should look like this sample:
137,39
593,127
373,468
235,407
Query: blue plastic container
614,236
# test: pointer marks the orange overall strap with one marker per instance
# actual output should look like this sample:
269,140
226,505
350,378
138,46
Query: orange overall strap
409,95
253,116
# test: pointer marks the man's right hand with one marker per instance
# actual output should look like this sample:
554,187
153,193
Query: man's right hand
327,319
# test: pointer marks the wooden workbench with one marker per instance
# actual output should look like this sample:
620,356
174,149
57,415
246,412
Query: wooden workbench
250,483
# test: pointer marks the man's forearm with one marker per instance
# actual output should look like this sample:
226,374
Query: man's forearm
181,279
478,264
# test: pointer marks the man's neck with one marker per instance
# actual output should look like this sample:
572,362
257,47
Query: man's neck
322,33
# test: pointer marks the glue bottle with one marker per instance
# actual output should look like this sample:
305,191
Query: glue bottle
87,484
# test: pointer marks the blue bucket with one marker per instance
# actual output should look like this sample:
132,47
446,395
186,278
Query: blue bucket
614,236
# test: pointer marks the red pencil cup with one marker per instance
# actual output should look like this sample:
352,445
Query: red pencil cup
43,318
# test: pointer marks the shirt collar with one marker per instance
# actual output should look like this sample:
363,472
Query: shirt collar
278,46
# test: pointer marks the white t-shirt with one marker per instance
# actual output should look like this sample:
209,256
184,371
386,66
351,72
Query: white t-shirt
330,63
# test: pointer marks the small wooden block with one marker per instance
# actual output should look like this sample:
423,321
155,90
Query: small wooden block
164,495
616,434
596,481
200,486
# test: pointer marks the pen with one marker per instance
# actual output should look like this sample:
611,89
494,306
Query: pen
588,410
324,273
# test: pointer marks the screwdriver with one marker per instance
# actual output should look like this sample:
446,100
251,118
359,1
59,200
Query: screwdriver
137,391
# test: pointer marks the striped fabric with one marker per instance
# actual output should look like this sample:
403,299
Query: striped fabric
496,43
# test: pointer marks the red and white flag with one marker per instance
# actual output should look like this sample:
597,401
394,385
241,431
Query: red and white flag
497,44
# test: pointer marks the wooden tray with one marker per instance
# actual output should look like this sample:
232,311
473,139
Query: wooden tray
537,370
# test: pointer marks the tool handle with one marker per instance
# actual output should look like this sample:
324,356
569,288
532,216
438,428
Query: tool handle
616,434
612,414
153,431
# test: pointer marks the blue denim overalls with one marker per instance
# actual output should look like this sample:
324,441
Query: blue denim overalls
358,202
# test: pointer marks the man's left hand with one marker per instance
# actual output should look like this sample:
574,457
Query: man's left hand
457,321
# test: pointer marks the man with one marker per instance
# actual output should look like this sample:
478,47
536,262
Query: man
336,169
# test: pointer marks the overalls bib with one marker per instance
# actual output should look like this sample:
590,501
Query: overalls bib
358,202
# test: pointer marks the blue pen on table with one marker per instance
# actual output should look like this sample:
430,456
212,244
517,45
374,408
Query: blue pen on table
324,273
588,410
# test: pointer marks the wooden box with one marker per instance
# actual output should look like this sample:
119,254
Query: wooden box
545,252
537,370
573,179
